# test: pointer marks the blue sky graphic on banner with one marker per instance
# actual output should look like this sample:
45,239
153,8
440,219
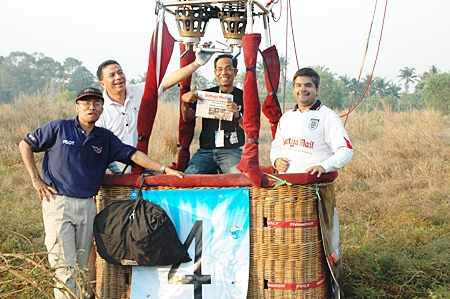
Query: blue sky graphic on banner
215,225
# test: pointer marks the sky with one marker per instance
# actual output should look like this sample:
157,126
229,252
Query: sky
327,33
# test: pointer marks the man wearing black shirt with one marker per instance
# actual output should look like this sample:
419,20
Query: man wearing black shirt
220,140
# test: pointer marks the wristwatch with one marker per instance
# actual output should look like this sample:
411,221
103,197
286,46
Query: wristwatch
239,117
163,169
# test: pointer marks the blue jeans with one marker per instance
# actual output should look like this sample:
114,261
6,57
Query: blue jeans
214,161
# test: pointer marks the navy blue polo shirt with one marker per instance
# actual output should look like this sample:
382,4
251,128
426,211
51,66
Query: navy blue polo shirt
75,164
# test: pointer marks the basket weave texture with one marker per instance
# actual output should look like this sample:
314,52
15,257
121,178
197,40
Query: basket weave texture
286,260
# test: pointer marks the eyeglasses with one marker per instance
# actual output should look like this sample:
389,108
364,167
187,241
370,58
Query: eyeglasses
228,69
87,104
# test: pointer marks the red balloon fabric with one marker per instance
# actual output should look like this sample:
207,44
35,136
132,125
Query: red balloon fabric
250,158
185,130
271,109
271,69
149,104
271,106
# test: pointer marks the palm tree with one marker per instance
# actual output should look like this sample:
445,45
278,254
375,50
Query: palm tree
138,80
199,80
408,75
321,69
366,82
379,86
260,78
434,70
283,67
393,89
283,82
421,83
239,79
347,80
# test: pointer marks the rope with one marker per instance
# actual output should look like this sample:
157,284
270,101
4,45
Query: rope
279,182
351,107
374,64
292,32
288,18
272,2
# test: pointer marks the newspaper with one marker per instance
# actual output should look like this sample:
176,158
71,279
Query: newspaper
214,105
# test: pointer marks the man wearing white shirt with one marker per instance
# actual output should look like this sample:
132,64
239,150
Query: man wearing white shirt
310,137
122,101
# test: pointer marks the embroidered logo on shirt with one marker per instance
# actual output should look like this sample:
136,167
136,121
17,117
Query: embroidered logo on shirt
31,137
134,109
98,150
313,123
68,142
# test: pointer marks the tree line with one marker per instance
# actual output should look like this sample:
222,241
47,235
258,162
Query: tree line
23,73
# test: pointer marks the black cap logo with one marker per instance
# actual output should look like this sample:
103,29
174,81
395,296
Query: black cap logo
89,91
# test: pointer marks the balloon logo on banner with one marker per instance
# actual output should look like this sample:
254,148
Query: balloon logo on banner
236,232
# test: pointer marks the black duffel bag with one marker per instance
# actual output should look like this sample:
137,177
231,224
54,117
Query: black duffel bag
137,233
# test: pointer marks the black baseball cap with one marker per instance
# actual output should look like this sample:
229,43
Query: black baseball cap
89,91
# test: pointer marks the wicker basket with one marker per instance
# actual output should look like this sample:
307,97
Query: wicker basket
286,254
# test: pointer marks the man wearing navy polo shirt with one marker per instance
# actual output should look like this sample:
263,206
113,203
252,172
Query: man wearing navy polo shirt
77,154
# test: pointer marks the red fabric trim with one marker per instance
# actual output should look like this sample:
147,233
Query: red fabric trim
149,104
272,68
185,130
271,107
295,286
349,145
292,224
250,158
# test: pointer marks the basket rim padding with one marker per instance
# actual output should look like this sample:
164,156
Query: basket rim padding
214,180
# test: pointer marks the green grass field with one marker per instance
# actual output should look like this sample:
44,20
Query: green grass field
393,200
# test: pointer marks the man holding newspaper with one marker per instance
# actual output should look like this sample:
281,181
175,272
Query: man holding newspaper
221,109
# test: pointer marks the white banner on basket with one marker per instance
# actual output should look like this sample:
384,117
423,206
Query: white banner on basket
214,224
